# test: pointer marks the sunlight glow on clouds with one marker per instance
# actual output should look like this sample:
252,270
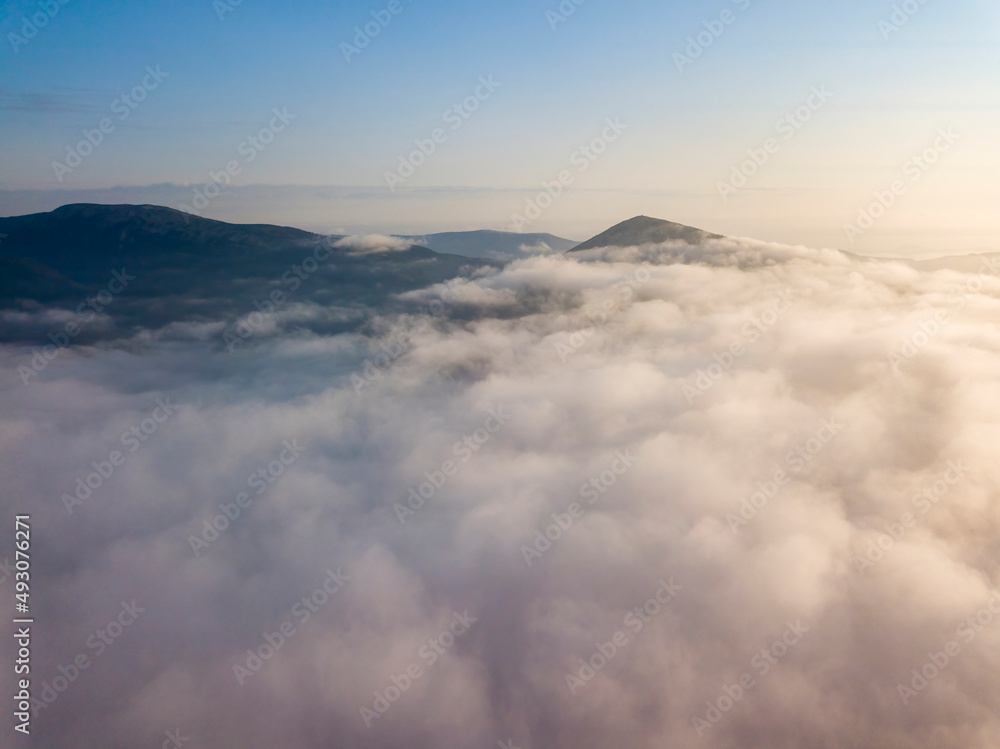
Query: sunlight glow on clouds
824,499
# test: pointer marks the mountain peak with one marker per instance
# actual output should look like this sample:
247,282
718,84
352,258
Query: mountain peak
646,230
108,214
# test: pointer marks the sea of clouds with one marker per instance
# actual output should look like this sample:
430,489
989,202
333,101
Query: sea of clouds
736,495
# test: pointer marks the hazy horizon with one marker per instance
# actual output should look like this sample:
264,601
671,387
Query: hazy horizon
404,230
690,109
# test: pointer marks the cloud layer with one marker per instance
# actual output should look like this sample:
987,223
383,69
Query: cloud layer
724,496
372,243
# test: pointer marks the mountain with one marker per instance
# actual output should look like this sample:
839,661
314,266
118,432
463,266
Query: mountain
185,268
645,230
988,263
25,279
495,245
84,242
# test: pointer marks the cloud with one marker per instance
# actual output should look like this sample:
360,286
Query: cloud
373,243
802,442
72,101
536,249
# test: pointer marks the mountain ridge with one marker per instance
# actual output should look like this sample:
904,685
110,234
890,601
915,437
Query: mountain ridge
188,269
491,243
641,230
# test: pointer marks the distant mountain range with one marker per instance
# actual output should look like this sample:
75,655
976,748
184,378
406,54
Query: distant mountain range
187,269
192,269
494,245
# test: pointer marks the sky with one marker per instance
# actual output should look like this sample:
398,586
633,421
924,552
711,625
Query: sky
894,87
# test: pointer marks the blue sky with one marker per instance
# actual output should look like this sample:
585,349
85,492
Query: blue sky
353,121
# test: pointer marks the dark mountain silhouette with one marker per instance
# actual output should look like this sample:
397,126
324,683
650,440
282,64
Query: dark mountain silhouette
188,268
645,230
25,279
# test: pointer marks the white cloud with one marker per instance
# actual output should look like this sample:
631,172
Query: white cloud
591,357
372,243
541,248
